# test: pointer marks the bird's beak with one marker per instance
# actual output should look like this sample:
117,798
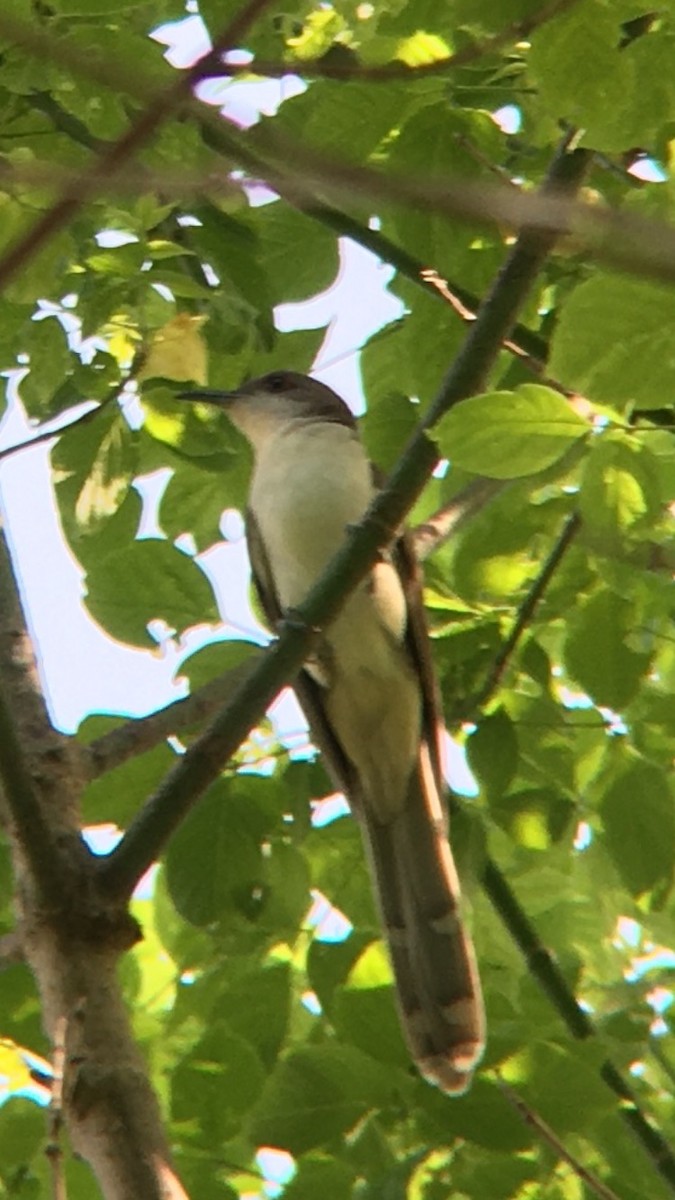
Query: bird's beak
207,396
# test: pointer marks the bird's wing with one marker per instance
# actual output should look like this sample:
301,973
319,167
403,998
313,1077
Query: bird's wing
308,692
417,639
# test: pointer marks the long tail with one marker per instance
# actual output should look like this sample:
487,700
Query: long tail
437,983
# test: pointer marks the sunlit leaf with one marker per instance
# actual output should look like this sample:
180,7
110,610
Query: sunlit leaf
508,434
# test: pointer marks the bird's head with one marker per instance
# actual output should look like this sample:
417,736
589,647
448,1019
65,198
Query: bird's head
261,406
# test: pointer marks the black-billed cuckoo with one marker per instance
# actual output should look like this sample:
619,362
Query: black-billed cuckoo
370,697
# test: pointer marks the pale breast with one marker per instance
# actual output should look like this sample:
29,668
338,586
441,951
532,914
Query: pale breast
310,483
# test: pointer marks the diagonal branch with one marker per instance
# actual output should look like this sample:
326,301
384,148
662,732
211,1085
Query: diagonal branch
138,736
200,766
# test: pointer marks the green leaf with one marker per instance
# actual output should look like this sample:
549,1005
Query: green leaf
364,1009
317,1094
105,487
387,428
219,1081
505,435
534,817
215,864
329,963
482,1116
21,1134
295,277
196,497
120,794
232,658
198,430
349,122
590,94
638,817
612,341
336,858
50,362
619,489
319,1175
596,651
562,1085
257,1007
123,593
492,751
94,7
442,140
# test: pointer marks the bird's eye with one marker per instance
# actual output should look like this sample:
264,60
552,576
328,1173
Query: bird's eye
277,383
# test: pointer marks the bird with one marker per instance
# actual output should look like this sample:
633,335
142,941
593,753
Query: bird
370,697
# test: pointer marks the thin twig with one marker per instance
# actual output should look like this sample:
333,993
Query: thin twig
46,435
527,609
528,345
637,244
532,1118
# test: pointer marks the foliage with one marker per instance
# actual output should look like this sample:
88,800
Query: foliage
258,1029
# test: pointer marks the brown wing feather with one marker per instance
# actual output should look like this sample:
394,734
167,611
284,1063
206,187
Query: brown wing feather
307,691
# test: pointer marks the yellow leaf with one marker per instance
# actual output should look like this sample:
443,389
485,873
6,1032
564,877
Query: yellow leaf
14,1073
122,342
422,48
177,351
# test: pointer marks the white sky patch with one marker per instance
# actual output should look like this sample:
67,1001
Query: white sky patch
583,836
656,958
243,101
329,924
353,307
311,1002
509,118
458,773
628,933
325,811
277,1166
649,170
102,839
